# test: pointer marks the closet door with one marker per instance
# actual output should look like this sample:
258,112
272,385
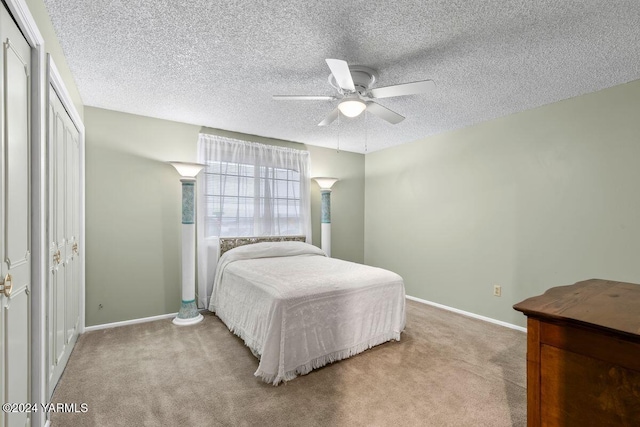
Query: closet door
15,214
63,291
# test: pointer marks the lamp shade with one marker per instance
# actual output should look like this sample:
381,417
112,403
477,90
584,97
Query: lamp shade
351,107
325,183
186,169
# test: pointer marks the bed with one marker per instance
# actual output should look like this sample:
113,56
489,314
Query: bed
298,310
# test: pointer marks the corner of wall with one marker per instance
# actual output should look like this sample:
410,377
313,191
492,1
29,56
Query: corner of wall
52,46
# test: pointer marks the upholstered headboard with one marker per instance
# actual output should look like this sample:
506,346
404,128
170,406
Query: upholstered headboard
227,243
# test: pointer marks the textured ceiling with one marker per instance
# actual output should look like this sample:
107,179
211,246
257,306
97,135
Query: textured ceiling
217,63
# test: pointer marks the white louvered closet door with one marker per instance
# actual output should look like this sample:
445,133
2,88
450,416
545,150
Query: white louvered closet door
63,314
15,224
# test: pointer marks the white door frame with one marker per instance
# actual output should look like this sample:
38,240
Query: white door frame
55,80
22,15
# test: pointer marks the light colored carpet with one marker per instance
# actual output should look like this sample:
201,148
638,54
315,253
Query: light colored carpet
448,370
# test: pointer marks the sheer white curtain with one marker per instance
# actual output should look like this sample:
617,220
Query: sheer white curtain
247,189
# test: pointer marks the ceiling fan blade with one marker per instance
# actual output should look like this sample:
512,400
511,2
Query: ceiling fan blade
340,70
303,98
330,117
384,113
403,89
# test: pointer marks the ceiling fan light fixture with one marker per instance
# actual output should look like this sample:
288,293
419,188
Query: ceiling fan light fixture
352,107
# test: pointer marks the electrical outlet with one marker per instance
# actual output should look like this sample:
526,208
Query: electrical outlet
497,290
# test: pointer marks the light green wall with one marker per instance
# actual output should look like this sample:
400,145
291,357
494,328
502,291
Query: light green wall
533,200
52,46
133,210
132,214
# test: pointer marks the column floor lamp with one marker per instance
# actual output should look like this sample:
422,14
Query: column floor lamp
188,314
325,226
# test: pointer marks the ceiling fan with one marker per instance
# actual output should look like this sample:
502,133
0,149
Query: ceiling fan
356,92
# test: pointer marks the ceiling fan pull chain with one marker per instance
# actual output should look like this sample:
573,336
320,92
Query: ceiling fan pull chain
366,131
339,127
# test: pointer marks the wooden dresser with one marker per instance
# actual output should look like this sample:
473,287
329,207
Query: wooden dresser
583,355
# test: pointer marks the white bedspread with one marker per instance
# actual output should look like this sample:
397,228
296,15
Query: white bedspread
298,310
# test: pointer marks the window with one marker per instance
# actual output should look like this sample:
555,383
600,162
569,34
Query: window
253,189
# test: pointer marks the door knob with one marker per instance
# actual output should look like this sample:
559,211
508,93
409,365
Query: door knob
56,257
7,284
75,249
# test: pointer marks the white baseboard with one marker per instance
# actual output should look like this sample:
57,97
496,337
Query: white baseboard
468,314
409,297
129,322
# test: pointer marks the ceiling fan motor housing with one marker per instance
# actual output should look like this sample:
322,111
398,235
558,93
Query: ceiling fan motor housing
363,79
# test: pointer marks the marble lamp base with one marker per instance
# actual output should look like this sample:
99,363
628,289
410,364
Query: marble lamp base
188,314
